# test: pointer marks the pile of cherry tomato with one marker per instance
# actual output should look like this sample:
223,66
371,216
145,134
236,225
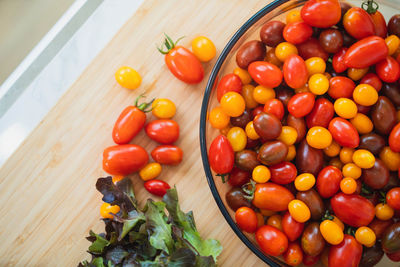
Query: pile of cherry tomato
310,136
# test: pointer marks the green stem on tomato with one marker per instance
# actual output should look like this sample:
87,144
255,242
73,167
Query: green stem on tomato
249,189
169,44
143,106
370,6
327,216
223,177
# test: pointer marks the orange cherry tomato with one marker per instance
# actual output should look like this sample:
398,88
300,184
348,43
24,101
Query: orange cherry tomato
167,155
265,74
246,219
321,13
275,221
295,71
271,240
124,159
293,255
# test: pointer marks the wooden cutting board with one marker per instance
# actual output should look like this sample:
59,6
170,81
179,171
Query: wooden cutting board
47,188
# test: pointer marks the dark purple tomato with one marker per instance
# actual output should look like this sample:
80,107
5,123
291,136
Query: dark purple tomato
272,152
235,199
377,176
313,202
309,159
394,25
392,91
252,143
331,40
371,255
242,120
383,115
246,160
267,126
238,177
249,52
271,33
391,239
299,124
284,94
312,48
312,241
372,142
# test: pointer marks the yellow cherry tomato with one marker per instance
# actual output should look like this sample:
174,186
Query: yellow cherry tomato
106,210
351,170
267,212
291,153
318,84
346,155
128,77
243,75
393,43
275,221
362,123
336,162
304,181
363,158
356,74
218,119
390,158
365,236
299,210
383,212
338,222
203,48
332,150
150,171
262,94
315,65
247,93
261,174
284,50
365,94
348,185
233,104
163,108
331,232
238,139
319,137
345,108
293,16
251,132
117,178
288,135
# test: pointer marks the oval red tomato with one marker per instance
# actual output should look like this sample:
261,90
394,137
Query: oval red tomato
291,227
167,155
358,23
344,133
246,219
341,86
271,241
388,70
394,138
338,60
270,196
265,74
366,52
297,32
221,155
321,114
295,72
229,83
301,104
347,254
163,131
275,107
393,198
328,181
124,159
283,173
156,187
321,13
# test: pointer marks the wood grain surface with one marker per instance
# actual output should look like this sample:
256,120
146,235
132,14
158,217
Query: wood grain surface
48,199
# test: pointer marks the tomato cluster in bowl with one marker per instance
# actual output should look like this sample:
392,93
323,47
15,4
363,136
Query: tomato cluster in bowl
310,136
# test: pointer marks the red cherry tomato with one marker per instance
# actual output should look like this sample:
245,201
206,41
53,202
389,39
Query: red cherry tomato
394,138
344,133
341,86
124,159
338,60
393,198
379,24
366,52
238,177
353,210
310,260
295,72
283,173
167,154
275,107
221,155
293,255
321,114
297,32
270,196
328,181
301,104
373,80
246,219
292,228
265,74
347,254
388,70
321,13
182,63
163,131
156,187
363,109
271,241
312,48
229,83
358,23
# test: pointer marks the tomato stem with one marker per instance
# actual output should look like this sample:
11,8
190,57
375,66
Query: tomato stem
249,188
223,177
327,216
169,44
370,6
143,106
350,231
382,197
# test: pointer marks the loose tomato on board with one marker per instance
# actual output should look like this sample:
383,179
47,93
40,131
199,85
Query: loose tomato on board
270,196
156,187
297,32
353,210
328,181
321,13
221,155
283,173
229,83
301,104
246,219
167,155
394,138
182,63
341,86
291,227
295,72
128,77
358,23
321,114
271,240
344,133
124,159
347,254
293,255
203,48
265,74
388,70
366,52
163,131
338,60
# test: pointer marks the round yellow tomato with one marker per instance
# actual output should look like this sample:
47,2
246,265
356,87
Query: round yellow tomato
293,16
365,94
319,137
262,94
351,170
238,139
318,84
163,108
345,108
288,135
218,118
304,181
284,50
150,171
233,104
383,212
243,75
299,210
390,158
331,232
291,153
332,150
128,78
348,185
261,174
251,132
106,210
393,43
203,48
363,158
346,155
365,236
362,123
315,65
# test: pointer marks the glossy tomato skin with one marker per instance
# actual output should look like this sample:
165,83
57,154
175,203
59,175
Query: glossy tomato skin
156,187
309,159
294,254
328,181
383,115
275,107
379,24
321,114
376,177
283,173
366,52
393,198
353,210
338,60
295,72
221,155
314,202
358,23
388,70
184,65
391,238
128,125
321,13
341,86
347,254
301,104
124,159
291,227
394,138
267,126
373,80
246,219
271,240
297,32
299,124
167,154
265,74
379,226
312,241
371,255
236,199
251,51
163,131
229,83
272,197
312,48
238,177
344,133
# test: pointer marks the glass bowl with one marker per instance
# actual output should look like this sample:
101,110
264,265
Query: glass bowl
225,64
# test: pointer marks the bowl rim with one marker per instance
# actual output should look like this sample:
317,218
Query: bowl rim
203,147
